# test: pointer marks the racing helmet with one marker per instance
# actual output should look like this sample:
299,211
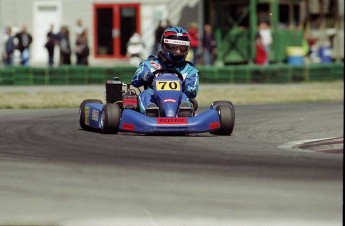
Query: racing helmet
175,43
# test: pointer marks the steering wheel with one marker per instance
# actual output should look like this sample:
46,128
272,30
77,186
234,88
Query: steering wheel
179,75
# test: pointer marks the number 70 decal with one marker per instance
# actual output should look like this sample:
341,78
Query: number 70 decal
168,85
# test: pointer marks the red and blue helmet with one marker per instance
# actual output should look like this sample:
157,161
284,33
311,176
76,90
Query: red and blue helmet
175,43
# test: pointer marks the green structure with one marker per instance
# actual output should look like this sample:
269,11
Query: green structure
236,25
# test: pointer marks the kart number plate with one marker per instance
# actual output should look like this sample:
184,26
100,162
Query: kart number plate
168,85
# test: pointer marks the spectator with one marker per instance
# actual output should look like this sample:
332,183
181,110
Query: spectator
306,48
82,48
168,24
261,54
50,45
135,49
194,41
65,47
158,34
266,35
209,45
79,30
24,42
313,48
9,47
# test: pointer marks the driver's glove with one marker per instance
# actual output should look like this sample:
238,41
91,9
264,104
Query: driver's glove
191,93
148,77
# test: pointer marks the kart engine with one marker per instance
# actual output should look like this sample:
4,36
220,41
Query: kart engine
113,91
114,94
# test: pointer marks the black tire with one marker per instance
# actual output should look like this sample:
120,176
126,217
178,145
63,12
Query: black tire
195,104
226,115
110,120
220,102
82,112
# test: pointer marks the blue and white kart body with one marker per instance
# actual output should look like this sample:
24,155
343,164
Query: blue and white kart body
170,116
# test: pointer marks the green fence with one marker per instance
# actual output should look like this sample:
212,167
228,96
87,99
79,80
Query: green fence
279,73
67,75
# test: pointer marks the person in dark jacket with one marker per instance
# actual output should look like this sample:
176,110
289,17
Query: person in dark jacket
209,45
50,45
24,42
65,47
158,34
9,48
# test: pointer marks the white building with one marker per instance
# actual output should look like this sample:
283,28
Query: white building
110,23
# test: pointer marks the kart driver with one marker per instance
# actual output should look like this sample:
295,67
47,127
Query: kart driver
175,43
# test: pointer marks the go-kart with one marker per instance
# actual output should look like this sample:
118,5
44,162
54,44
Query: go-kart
169,115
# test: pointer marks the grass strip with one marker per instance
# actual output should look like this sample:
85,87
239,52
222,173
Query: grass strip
239,94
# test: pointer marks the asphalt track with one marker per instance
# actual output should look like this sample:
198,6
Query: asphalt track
53,173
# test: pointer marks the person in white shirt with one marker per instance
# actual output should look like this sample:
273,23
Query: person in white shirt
266,35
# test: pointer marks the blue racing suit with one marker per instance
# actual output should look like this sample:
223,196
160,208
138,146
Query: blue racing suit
187,69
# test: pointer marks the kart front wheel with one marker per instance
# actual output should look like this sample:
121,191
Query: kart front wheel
226,115
194,104
220,102
82,112
110,119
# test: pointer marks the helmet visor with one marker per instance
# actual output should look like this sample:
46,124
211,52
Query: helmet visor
176,47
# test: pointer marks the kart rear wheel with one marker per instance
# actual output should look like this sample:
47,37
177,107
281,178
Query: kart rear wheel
82,112
226,115
110,119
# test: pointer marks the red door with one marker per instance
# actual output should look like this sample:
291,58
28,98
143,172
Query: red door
114,24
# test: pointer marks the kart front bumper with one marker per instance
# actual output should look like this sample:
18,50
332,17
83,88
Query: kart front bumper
136,122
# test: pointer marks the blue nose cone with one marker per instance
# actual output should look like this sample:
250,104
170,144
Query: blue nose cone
170,109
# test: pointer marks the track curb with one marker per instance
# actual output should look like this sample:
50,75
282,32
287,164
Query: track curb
333,145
